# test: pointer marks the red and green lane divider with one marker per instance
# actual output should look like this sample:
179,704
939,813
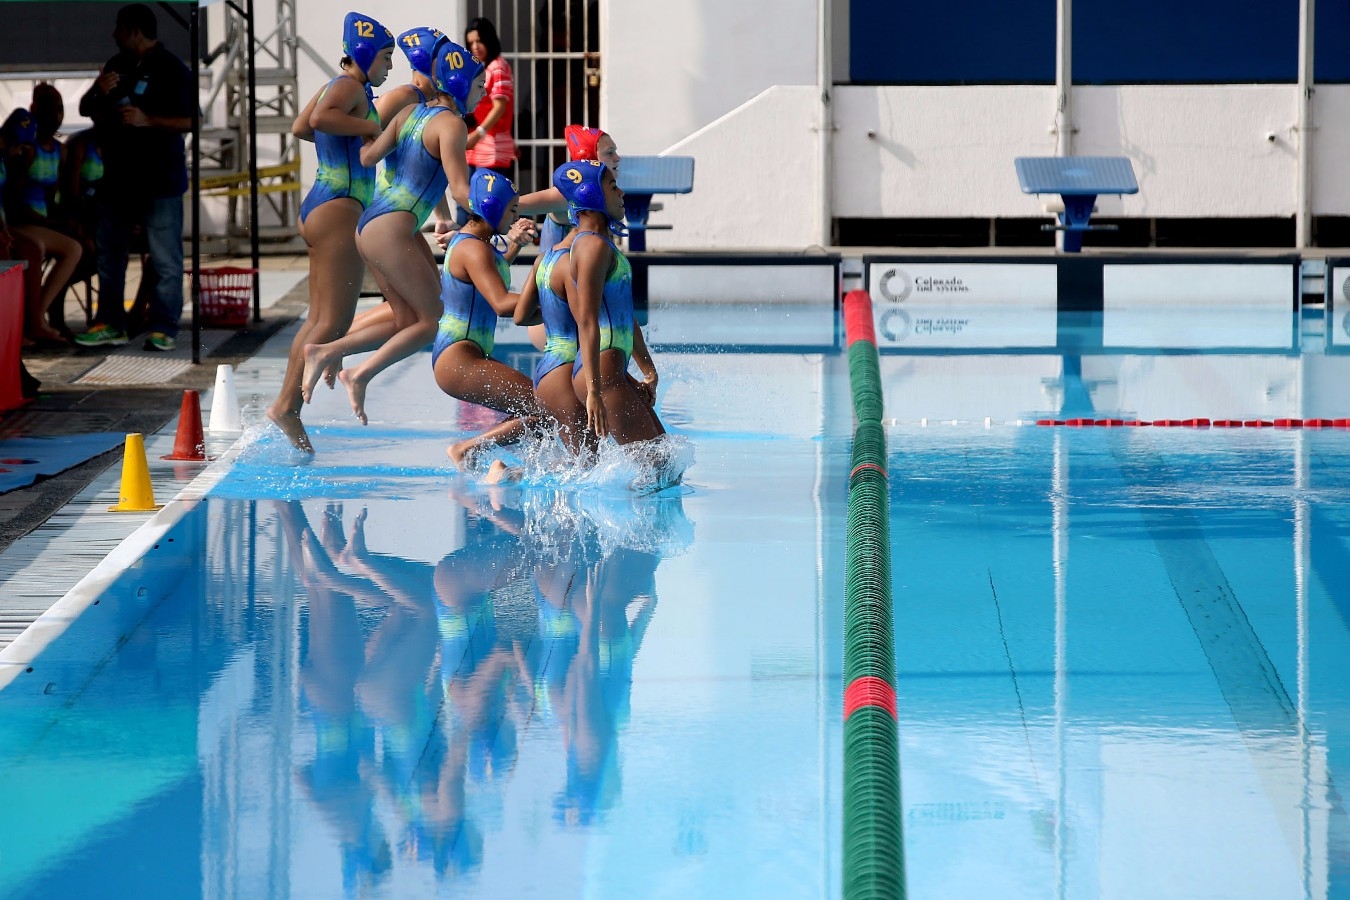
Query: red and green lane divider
873,840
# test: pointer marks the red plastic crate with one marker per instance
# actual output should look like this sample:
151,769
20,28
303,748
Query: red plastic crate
226,297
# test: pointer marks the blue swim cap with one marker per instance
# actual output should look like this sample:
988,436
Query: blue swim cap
363,38
19,128
420,45
489,196
581,184
456,70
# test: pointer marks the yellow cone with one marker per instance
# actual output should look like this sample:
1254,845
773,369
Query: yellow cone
136,494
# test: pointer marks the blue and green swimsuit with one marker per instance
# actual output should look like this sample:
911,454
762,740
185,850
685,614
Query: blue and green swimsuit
560,346
468,316
616,305
414,179
340,172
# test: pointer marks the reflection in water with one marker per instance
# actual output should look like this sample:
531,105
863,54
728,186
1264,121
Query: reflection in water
419,682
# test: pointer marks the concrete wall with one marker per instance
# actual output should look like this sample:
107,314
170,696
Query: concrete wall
755,183
671,68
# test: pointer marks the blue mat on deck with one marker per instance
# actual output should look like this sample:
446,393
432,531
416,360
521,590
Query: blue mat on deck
26,459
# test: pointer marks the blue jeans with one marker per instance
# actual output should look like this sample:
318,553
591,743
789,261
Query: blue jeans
162,220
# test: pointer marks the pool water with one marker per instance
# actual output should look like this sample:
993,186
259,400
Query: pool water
1123,654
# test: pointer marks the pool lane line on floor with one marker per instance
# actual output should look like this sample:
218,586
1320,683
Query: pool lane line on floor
873,838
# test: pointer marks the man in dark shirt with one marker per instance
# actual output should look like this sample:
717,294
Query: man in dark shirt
141,106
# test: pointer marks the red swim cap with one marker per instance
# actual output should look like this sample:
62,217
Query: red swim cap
582,142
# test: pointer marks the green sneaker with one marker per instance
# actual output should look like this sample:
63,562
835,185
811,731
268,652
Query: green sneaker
101,336
158,340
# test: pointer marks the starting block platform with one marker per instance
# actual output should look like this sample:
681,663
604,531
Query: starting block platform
1078,180
641,178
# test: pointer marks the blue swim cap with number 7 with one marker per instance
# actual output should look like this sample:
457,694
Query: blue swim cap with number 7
489,196
363,38
456,70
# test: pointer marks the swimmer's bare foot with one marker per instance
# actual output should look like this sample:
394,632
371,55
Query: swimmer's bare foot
317,362
330,374
500,473
356,392
289,422
462,453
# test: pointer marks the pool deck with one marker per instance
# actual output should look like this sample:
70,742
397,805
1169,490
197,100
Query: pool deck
56,531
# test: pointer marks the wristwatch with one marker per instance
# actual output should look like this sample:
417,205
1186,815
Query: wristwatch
482,132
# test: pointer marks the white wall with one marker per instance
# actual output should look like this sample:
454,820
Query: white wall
948,151
936,151
1198,151
755,183
671,68
1331,176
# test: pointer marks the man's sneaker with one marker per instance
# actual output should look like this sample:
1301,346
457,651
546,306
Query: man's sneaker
101,336
158,340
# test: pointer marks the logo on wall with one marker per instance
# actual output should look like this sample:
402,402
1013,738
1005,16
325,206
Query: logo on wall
894,324
1345,288
895,285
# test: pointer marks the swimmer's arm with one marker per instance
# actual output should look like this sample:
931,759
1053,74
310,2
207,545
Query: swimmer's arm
541,202
443,217
451,138
590,261
521,233
335,112
482,271
643,357
391,103
527,306
383,145
301,127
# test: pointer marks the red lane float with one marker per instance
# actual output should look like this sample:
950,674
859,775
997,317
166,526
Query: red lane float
869,691
858,325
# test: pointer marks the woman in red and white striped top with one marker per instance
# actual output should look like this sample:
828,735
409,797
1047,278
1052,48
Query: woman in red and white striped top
491,145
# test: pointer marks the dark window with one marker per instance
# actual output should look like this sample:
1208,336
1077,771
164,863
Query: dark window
1188,42
952,42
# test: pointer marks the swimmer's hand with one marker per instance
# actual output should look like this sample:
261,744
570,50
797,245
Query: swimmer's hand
443,237
522,232
595,413
646,389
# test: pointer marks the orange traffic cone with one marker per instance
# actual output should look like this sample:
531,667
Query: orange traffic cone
136,493
189,442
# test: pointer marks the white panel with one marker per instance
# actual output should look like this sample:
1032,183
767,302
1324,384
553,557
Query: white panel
1340,287
1268,285
969,388
1338,328
1026,285
922,325
1265,327
1331,135
741,283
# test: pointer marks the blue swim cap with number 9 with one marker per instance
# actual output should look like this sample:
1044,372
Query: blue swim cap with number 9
456,70
582,185
489,196
363,38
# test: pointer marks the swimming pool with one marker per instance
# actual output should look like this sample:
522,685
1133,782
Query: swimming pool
1122,652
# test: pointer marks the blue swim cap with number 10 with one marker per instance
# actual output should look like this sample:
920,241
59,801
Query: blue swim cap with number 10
456,71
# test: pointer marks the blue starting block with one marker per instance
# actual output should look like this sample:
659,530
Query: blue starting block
640,177
1078,180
